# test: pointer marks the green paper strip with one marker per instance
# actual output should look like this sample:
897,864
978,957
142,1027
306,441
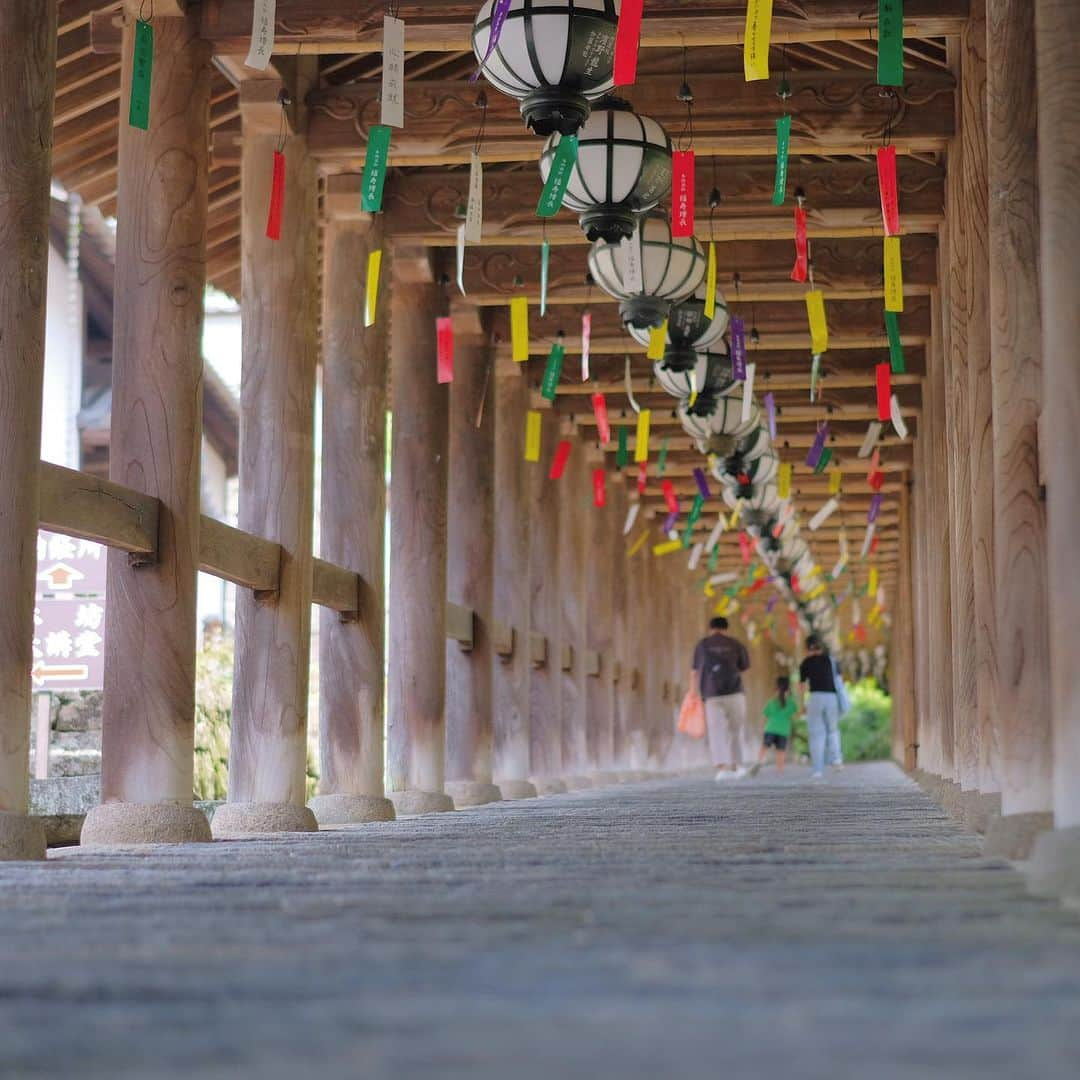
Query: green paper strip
545,259
562,167
890,53
622,455
823,461
142,68
896,347
549,385
661,461
375,162
783,144
714,557
692,520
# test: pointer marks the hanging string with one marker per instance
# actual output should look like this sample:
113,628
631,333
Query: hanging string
686,95
482,104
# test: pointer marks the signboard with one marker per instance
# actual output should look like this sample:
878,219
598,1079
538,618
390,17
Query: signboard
69,613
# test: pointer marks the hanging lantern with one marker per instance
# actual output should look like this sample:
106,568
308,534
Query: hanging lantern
690,330
623,168
555,58
719,431
709,378
760,499
740,474
671,269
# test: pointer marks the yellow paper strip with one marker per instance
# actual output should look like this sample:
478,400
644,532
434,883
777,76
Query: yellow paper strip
836,479
519,328
709,590
641,442
533,422
667,547
872,582
894,275
783,481
371,300
733,520
814,593
756,43
657,341
639,543
710,283
815,312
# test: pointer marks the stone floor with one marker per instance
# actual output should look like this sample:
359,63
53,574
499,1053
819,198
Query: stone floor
671,929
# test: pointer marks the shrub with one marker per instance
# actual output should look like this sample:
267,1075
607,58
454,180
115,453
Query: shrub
866,728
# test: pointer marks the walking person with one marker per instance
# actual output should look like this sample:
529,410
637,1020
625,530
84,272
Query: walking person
779,712
718,663
818,674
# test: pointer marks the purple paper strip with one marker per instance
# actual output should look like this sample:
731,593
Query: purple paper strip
498,17
738,349
702,483
875,508
772,603
819,444
770,408
669,521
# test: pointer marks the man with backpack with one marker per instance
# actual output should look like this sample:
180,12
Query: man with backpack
718,662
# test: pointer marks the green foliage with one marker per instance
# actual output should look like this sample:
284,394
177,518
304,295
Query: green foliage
213,709
866,728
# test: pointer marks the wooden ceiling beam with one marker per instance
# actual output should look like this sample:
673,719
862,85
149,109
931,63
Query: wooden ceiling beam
321,26
833,112
841,200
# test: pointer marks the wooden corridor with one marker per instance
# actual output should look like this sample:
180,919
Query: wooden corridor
679,928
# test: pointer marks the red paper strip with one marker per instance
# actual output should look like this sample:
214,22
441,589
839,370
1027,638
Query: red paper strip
444,339
794,583
890,203
642,476
670,498
876,479
599,488
759,584
884,392
277,197
682,193
603,427
874,544
744,547
627,36
802,253
558,462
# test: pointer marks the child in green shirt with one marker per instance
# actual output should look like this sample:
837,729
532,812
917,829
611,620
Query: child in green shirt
779,713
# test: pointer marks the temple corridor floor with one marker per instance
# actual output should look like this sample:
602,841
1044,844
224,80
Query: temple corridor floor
679,928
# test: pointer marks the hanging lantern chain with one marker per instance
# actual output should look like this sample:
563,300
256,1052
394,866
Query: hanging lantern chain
686,95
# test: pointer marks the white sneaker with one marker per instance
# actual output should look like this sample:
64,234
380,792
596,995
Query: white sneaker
817,778
724,774
837,766
739,773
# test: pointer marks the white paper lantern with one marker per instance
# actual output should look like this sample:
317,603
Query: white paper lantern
689,330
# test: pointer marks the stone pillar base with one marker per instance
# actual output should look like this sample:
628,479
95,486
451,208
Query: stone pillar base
605,778
1054,867
549,785
472,793
978,810
950,798
351,809
517,789
420,802
238,820
22,837
1013,836
120,823
578,783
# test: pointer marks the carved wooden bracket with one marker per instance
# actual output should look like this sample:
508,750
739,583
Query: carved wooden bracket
459,624
538,649
566,657
592,663
502,638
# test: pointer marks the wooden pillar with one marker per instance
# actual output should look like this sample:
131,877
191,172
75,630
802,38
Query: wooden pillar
920,589
148,716
352,523
620,631
516,521
547,514
418,477
268,741
938,746
598,559
902,681
576,502
27,86
469,578
980,406
1057,38
957,430
1016,368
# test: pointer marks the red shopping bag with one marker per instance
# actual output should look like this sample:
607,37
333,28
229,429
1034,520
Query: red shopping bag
692,715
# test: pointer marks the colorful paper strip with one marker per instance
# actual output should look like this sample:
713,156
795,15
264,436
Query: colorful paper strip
710,283
657,341
770,412
783,147
890,67
558,462
801,270
737,329
371,289
819,329
498,16
444,349
896,346
641,439
702,483
894,275
887,187
599,487
756,39
519,328
549,384
586,341
671,500
682,193
142,72
814,454
603,427
277,197
533,424
562,168
376,159
627,38
783,481
884,392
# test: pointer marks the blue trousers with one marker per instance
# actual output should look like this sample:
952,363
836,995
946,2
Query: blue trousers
823,723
